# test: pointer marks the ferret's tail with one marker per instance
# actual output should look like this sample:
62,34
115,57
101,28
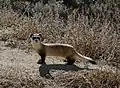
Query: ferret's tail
85,58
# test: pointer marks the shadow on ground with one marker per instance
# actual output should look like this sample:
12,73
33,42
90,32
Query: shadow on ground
44,69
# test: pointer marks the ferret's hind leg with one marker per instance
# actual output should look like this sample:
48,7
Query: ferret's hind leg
70,60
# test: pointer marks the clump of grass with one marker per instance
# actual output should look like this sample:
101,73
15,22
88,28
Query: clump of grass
92,79
17,80
104,79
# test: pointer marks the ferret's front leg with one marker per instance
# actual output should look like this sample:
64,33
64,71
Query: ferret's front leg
42,60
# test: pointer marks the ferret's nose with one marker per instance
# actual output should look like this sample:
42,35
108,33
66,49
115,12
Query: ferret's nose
36,40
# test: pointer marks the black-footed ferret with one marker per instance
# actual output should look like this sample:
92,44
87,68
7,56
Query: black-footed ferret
62,50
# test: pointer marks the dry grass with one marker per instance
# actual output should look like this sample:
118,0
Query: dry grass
93,79
97,37
18,79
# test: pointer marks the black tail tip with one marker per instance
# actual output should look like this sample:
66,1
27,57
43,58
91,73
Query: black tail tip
93,62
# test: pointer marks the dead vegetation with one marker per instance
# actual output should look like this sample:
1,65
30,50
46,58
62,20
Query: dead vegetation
93,79
95,34
15,81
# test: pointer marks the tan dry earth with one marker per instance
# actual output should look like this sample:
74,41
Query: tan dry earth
20,66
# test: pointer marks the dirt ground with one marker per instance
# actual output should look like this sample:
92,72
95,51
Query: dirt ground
21,65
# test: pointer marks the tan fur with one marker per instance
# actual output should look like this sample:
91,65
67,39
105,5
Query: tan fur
61,50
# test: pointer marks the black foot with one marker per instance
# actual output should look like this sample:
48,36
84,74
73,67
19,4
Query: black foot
69,63
40,61
65,60
93,62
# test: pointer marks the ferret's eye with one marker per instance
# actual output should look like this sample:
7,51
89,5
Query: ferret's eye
36,38
33,38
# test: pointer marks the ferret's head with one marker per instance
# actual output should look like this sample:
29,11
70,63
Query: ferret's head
36,38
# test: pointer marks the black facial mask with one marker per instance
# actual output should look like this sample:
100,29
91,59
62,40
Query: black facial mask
36,38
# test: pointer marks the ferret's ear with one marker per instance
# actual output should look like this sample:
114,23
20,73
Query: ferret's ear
30,35
41,36
28,39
